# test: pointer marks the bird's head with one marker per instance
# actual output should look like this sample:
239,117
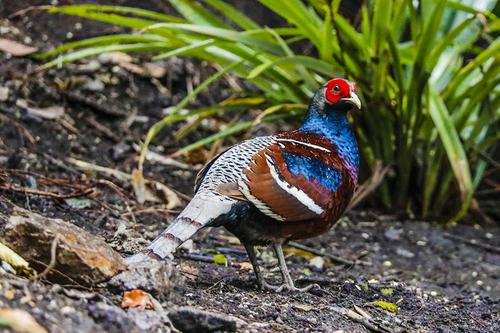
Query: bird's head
337,94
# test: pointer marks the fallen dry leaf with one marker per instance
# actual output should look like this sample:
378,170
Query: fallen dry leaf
153,191
15,260
51,112
137,299
20,321
139,186
299,253
172,199
15,48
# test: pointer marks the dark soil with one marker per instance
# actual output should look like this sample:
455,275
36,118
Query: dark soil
440,283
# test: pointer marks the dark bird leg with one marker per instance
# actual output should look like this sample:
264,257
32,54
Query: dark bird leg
287,279
256,269
261,282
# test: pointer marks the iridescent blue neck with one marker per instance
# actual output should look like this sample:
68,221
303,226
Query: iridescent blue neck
333,124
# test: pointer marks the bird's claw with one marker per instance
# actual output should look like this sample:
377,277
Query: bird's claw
288,287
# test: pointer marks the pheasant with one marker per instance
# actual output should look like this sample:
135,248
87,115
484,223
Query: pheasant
272,189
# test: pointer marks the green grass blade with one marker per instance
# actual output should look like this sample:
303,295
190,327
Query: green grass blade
447,41
492,51
308,62
219,34
454,150
104,40
84,10
231,13
196,14
185,49
156,128
231,131
469,9
296,13
93,51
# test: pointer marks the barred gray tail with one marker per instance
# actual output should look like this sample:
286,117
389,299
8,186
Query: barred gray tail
201,210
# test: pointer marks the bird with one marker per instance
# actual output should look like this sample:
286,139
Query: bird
272,189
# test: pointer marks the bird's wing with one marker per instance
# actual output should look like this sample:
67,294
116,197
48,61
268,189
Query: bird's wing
203,172
274,189
222,173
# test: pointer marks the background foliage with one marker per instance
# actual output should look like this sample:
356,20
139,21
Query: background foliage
427,71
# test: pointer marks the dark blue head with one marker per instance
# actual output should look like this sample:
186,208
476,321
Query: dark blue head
327,116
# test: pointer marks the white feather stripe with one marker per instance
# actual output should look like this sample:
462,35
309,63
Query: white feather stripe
292,190
310,145
258,203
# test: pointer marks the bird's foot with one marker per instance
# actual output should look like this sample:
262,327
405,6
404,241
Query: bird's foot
288,287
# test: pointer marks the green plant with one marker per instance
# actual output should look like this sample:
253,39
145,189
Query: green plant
428,76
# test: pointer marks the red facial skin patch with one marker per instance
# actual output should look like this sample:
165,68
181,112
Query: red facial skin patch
337,89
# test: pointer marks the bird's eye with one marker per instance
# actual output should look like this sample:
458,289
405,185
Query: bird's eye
336,88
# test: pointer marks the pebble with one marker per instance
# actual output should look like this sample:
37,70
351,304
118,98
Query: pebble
317,263
387,263
90,67
4,94
393,234
93,85
405,253
190,319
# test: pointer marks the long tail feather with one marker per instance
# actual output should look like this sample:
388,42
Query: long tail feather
200,211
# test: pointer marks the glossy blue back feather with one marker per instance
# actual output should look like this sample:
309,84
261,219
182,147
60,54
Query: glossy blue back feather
313,169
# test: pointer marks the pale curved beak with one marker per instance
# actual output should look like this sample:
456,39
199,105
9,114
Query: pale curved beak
353,99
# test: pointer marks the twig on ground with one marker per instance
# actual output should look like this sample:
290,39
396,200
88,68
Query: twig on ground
23,130
359,319
76,97
86,166
103,129
207,259
472,242
332,257
25,190
150,210
26,10
151,156
53,259
57,162
41,178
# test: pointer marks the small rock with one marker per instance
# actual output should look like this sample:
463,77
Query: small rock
111,318
90,67
188,319
393,234
93,85
148,321
317,263
4,94
80,255
405,253
152,276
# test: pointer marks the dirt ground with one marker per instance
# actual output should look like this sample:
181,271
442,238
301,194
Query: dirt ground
431,278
